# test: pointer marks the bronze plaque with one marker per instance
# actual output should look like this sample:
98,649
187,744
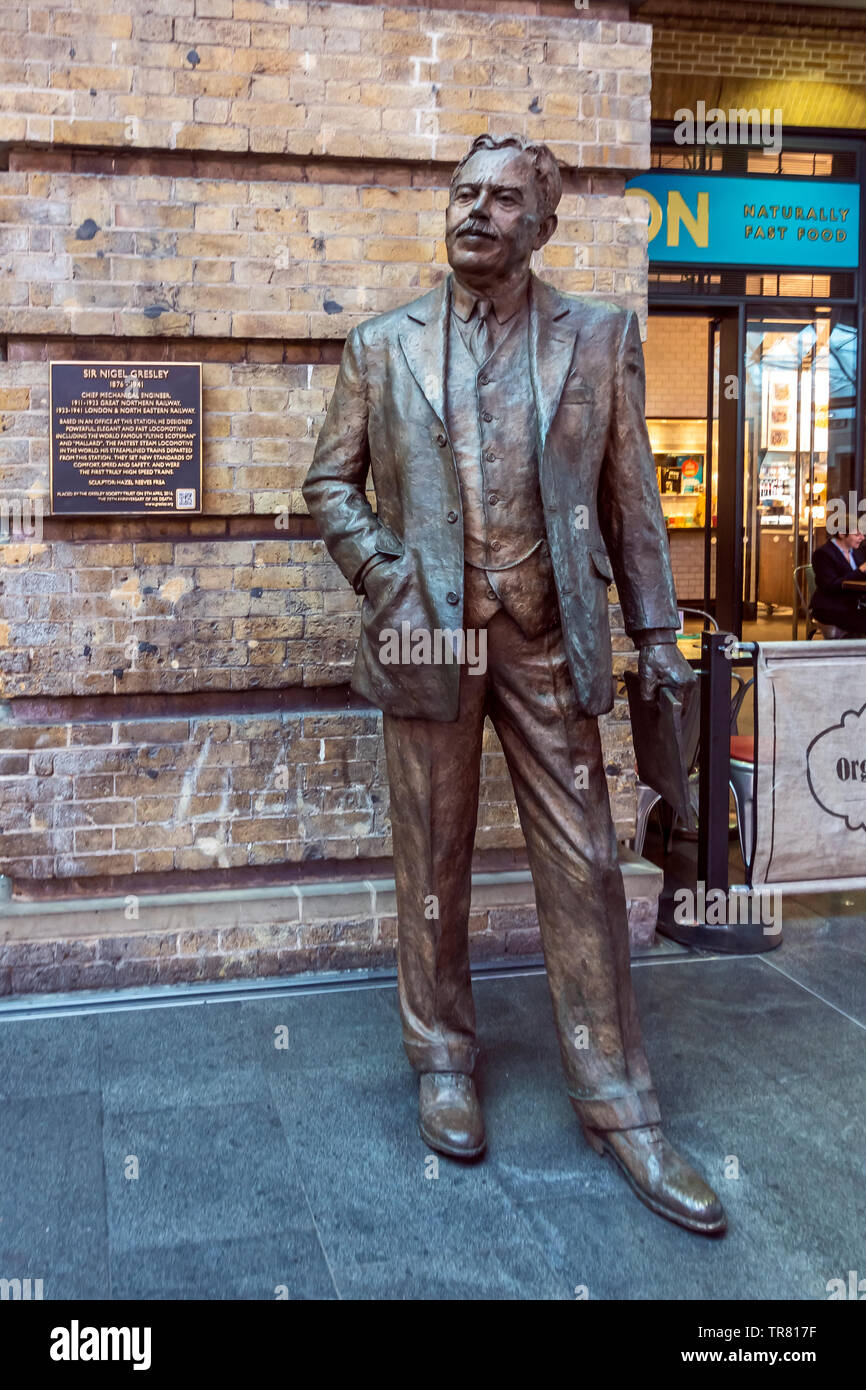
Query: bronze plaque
125,438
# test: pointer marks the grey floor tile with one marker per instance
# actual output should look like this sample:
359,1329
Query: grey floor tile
390,1219
178,1057
287,1266
336,1029
732,1034
834,968
52,1195
48,1057
206,1173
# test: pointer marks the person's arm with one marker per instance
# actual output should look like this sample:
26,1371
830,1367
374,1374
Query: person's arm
334,488
633,527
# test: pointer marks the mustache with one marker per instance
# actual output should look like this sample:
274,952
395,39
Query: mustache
475,227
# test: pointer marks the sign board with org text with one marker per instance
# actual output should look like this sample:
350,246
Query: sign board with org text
810,793
711,219
126,438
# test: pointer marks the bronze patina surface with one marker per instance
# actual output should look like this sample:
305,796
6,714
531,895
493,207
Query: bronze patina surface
503,423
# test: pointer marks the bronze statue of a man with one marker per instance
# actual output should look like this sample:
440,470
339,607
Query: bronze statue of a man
504,426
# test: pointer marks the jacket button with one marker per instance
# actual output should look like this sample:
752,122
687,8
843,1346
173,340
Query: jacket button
490,456
494,545
487,416
452,598
493,498
452,517
441,441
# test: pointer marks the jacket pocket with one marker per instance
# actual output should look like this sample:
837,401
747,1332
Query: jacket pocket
602,565
577,393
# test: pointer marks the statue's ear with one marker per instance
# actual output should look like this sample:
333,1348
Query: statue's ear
546,229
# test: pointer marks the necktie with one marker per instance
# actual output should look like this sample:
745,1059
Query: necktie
481,339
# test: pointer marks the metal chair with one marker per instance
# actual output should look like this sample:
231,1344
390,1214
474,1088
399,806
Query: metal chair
804,583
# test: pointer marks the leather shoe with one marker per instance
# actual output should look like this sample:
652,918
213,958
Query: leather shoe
663,1181
449,1114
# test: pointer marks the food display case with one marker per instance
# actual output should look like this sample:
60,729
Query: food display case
679,449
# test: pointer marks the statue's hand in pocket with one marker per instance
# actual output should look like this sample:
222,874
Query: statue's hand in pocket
379,579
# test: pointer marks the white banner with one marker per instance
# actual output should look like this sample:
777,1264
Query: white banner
810,807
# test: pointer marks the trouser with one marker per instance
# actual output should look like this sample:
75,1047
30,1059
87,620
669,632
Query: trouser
555,761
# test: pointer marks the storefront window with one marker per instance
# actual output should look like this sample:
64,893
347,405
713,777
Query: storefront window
799,444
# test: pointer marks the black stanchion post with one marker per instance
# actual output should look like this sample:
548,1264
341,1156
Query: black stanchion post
715,761
723,920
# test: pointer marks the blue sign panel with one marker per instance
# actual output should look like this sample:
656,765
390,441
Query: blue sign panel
713,220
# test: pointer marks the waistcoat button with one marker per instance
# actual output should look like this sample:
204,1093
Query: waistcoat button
487,416
452,516
441,441
452,598
490,456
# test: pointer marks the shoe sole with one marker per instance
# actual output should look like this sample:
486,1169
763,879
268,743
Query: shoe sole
467,1155
701,1228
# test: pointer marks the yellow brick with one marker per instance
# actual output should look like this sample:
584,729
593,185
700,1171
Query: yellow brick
89,132
210,219
399,249
343,249
225,138
73,23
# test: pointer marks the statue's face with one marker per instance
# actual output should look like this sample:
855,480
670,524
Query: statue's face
493,225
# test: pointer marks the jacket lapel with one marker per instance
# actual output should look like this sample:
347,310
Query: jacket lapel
552,336
423,337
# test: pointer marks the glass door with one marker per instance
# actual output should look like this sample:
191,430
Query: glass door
799,451
682,417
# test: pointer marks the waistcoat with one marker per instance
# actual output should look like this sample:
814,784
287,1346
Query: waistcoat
492,425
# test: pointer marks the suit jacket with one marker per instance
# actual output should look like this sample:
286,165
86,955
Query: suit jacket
830,602
598,484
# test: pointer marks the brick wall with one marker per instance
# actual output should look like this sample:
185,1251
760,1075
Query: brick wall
676,366
357,81
238,183
808,61
145,254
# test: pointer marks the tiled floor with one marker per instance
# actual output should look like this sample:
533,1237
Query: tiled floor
300,1167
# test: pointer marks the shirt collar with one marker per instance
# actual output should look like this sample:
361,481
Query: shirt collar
849,554
505,305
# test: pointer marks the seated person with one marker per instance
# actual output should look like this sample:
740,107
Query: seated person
839,558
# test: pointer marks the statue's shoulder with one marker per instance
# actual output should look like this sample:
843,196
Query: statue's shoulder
588,313
384,328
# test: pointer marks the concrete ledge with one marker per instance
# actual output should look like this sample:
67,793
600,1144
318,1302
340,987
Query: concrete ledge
248,933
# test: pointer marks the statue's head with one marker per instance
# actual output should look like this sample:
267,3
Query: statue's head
504,195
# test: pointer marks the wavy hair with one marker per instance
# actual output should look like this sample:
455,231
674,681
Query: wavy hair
548,180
